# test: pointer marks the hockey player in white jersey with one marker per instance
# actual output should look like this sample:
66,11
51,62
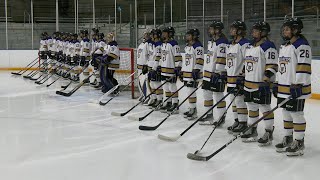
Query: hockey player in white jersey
84,53
142,66
75,58
43,50
51,51
154,74
214,74
55,51
94,46
68,50
235,75
170,63
100,48
192,69
294,80
261,67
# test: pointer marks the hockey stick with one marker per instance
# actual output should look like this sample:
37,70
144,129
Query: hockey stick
75,88
175,138
152,128
59,77
145,116
124,113
19,73
38,71
83,68
28,69
39,82
115,87
219,121
206,158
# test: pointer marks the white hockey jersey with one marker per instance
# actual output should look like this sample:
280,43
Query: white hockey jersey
156,55
235,60
77,48
100,48
85,47
151,60
259,58
194,59
55,45
43,45
64,47
94,45
142,54
112,50
60,45
295,68
68,50
170,58
215,61
50,44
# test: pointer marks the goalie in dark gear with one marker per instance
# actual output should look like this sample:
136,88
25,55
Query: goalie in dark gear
109,62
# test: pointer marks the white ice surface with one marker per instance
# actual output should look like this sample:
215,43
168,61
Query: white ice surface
44,136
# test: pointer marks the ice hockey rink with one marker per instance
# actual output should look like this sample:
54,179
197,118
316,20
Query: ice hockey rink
51,137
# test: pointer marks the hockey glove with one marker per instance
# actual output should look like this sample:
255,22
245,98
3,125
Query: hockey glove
264,88
196,74
240,81
214,78
296,90
144,69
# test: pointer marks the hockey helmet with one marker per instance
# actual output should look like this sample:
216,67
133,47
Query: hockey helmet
294,23
170,30
194,32
262,26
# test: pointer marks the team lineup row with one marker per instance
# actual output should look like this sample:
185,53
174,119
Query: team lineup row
251,71
66,51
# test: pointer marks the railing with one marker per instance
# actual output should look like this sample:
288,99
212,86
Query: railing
313,7
24,17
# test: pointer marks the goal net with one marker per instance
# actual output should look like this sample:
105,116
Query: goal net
127,67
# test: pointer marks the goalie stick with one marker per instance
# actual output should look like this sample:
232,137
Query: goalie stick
175,138
206,158
152,128
124,113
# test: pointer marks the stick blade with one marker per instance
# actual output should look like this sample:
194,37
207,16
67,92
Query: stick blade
116,114
27,77
14,73
63,93
103,103
33,79
38,82
167,138
148,128
133,118
196,157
